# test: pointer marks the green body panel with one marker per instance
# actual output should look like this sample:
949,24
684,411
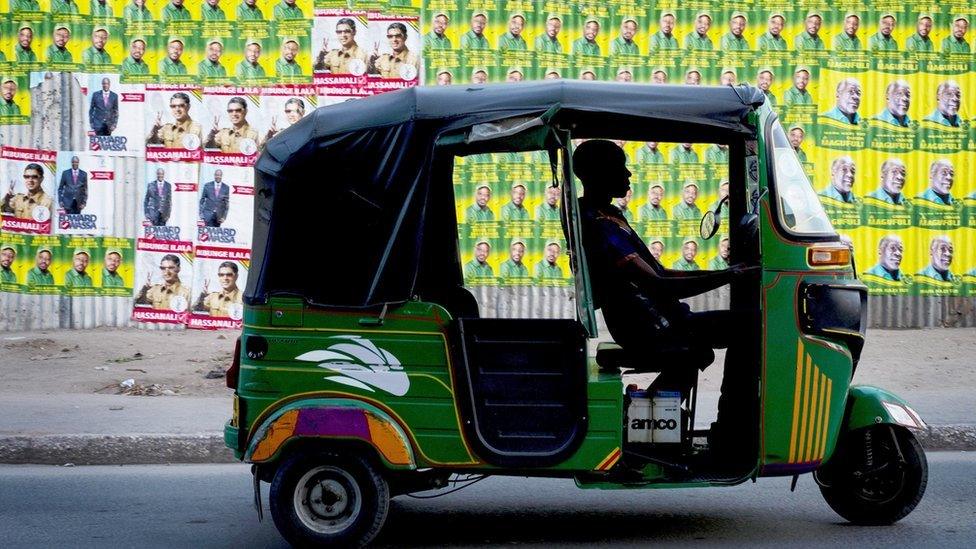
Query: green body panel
800,416
865,407
327,403
413,332
805,379
416,333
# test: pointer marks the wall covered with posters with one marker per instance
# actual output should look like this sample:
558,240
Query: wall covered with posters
130,127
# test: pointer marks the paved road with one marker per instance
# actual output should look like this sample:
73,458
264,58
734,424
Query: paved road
209,506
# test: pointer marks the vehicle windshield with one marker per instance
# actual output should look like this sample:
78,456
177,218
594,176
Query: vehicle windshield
800,209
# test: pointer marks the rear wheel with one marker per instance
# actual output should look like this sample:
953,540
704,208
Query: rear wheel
328,499
877,476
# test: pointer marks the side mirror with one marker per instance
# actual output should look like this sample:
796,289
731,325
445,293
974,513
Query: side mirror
712,220
709,225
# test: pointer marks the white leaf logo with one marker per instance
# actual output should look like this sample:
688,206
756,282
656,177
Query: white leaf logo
361,364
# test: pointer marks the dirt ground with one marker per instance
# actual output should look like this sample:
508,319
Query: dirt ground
177,363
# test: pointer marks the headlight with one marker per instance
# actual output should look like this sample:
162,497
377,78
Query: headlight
903,415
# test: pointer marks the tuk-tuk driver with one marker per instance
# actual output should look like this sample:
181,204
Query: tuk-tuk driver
638,296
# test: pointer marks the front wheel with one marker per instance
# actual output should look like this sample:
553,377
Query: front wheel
326,499
877,476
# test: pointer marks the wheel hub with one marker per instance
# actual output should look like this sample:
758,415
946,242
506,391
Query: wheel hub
327,499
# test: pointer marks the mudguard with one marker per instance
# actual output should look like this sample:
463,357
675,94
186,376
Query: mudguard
867,405
335,419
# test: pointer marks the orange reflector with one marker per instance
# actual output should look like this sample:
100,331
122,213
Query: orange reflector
821,256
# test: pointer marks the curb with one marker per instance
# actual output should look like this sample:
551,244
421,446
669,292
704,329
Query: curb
209,447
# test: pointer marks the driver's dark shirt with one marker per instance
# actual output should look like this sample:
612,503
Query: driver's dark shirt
609,241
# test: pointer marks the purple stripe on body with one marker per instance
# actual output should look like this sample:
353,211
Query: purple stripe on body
340,422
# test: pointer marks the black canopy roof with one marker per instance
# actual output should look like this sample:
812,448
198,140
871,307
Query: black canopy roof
716,106
343,211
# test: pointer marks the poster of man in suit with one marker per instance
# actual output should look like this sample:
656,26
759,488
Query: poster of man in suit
115,113
85,193
225,207
169,201
103,110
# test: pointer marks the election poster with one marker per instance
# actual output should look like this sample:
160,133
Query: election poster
235,125
116,273
115,114
163,280
286,104
28,202
169,202
340,52
225,207
395,47
174,117
105,49
78,259
220,276
15,261
44,260
85,194
15,99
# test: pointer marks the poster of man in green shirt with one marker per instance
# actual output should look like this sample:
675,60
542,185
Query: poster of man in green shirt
547,270
175,10
883,41
548,42
286,10
624,43
942,175
437,38
249,69
848,101
97,55
810,40
24,53
287,65
687,209
40,274
587,44
77,276
940,254
8,253
848,41
720,261
513,269
772,39
698,40
59,53
548,211
956,42
891,250
687,262
173,65
798,94
735,39
211,11
478,267
664,38
513,39
11,109
248,10
480,211
111,277
796,135
515,209
211,67
475,38
921,40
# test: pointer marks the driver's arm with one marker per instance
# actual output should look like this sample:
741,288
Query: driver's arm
680,284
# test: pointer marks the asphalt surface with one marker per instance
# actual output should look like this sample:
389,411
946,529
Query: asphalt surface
210,506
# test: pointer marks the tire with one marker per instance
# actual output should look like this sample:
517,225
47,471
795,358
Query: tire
326,499
880,491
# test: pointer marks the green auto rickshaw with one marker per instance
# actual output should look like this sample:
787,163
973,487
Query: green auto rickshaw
365,371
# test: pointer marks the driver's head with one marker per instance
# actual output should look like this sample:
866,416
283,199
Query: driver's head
602,166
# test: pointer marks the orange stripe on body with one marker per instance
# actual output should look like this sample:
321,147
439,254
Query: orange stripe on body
796,399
